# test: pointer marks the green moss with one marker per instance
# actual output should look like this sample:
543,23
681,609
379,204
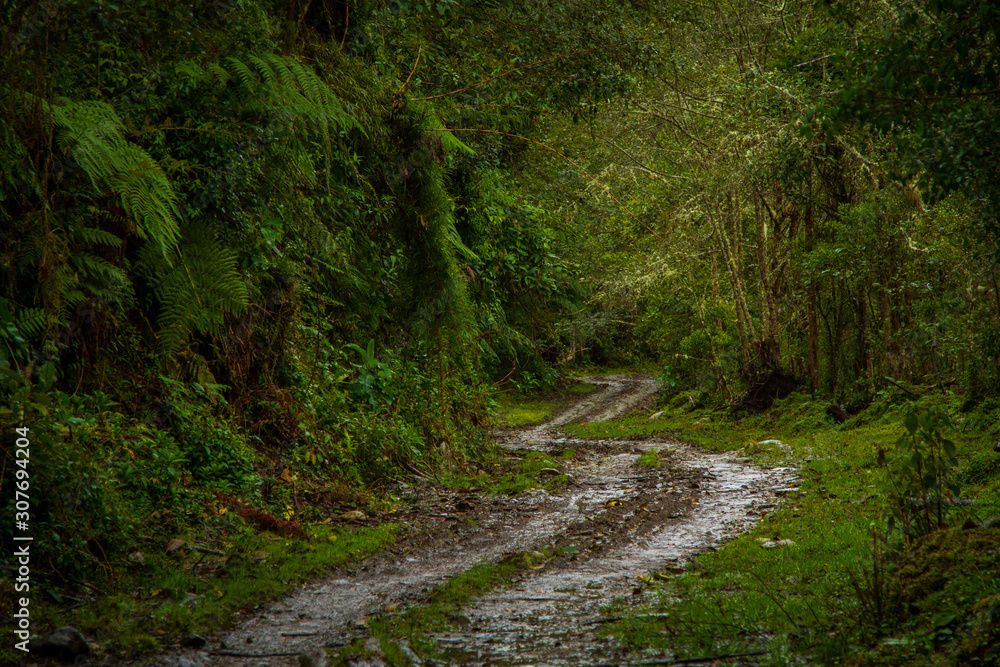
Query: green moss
524,413
651,459
932,565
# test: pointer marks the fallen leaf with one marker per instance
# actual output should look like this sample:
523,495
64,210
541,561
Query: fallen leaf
286,475
175,544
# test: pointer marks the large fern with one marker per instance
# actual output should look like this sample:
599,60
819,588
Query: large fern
280,86
93,134
196,290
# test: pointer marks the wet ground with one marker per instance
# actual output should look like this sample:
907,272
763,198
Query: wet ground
614,523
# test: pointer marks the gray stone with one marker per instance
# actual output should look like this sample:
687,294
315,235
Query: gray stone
374,646
315,657
369,662
65,643
406,650
774,544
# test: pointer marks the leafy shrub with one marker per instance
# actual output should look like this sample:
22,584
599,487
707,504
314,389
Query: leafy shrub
924,485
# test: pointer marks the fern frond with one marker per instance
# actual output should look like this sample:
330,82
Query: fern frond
148,197
95,267
94,236
31,322
288,68
94,135
191,69
244,73
268,73
288,87
431,122
453,237
197,292
219,72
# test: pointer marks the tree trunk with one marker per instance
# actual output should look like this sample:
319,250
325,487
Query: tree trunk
729,230
811,295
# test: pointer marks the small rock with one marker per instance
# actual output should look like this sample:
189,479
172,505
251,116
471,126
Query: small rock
657,415
315,657
774,544
65,643
174,545
193,641
459,620
406,650
365,662
838,413
374,646
354,515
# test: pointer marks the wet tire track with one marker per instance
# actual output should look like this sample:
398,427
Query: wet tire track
616,522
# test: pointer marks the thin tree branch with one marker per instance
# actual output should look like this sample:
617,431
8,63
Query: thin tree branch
420,50
642,167
674,106
347,24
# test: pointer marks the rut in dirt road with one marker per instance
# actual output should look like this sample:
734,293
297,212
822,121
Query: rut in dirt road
553,618
616,522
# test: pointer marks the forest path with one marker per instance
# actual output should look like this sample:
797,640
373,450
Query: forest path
617,521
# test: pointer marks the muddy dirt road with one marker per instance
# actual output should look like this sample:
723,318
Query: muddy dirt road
615,522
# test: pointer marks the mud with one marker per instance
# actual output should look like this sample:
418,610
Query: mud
615,523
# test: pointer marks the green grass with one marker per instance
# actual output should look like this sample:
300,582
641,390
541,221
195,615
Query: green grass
517,475
651,459
437,612
519,410
846,592
165,597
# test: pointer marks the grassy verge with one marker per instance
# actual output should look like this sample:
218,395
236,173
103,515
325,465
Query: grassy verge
163,596
515,473
518,410
841,588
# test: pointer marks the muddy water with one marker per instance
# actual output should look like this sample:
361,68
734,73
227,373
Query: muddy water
614,523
